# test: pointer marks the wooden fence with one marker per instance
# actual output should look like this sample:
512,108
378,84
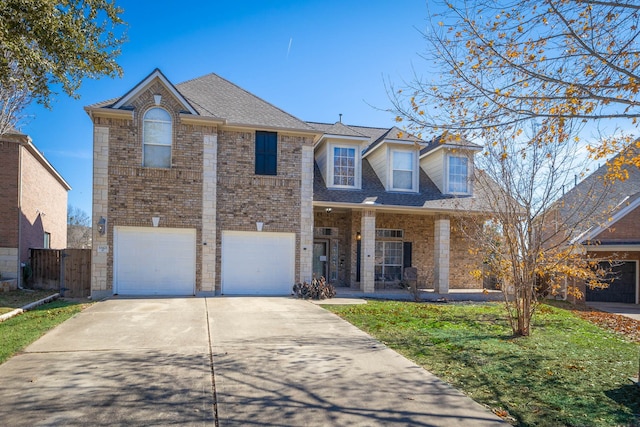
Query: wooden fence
65,270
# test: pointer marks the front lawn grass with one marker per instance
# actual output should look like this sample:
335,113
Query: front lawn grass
20,331
11,300
570,372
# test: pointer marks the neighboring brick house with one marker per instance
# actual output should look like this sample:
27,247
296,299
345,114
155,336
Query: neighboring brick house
33,212
612,230
203,188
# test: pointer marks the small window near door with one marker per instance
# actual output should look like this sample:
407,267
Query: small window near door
47,241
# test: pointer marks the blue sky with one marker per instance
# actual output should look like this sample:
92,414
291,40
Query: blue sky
314,59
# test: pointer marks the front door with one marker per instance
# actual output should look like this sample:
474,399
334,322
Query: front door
320,258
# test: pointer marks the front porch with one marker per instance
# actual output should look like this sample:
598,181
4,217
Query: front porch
371,250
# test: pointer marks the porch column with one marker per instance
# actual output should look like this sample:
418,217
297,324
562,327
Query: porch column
209,183
306,216
367,278
100,288
441,241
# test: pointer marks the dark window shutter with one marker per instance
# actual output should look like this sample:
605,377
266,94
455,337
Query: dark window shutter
406,254
266,153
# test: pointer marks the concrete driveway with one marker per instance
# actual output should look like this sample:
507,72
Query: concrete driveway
629,310
234,361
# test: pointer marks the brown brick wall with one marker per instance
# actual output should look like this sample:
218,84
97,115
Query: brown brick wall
9,194
625,229
464,258
345,241
418,230
44,207
244,198
136,194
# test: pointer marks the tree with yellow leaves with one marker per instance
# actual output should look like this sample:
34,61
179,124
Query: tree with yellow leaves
503,64
531,242
524,78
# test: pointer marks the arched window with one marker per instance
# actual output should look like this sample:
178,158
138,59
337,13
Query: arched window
156,138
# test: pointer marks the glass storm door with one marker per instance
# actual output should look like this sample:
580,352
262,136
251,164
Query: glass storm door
320,258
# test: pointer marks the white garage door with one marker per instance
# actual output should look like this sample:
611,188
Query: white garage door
154,261
257,263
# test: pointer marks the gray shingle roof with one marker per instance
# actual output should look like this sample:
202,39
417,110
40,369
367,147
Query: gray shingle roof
337,128
372,132
429,196
439,142
213,96
393,134
599,197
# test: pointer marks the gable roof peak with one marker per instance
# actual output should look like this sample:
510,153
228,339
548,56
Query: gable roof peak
155,74
340,129
449,141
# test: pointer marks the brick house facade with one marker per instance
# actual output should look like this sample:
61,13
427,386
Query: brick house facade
204,188
611,233
34,208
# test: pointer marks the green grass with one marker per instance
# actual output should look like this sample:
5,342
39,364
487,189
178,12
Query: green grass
568,373
11,300
20,331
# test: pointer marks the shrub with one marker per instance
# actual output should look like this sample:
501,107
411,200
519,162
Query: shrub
317,289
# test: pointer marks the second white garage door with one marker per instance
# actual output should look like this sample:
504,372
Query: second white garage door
257,263
154,261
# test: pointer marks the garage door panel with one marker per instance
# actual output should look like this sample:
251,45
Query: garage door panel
257,263
622,287
154,261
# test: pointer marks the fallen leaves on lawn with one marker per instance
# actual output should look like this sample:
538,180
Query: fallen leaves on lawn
621,324
500,412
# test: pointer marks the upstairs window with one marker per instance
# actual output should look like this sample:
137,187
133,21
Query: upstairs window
157,135
403,170
266,153
344,167
458,173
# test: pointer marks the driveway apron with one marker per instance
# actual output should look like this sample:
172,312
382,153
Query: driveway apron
120,362
276,361
285,362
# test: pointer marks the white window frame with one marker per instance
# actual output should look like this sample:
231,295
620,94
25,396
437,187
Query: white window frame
448,174
357,166
414,170
145,143
380,259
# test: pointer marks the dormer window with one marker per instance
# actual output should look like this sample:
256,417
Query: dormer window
403,176
344,168
157,135
458,174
